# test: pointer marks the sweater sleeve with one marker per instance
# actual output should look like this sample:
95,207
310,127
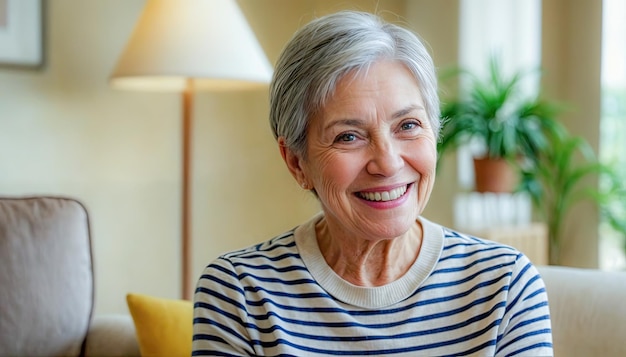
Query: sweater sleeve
220,317
526,328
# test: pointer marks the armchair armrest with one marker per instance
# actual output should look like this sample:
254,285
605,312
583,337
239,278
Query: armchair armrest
112,336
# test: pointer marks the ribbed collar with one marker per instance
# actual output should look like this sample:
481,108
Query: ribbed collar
370,297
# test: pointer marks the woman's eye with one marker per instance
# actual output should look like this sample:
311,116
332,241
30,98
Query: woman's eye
409,125
346,137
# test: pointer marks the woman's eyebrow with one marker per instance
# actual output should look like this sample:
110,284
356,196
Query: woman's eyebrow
345,122
353,122
408,110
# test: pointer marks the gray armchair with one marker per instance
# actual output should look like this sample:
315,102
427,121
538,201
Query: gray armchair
47,284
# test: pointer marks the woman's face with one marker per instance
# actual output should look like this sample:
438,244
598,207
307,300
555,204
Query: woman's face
371,153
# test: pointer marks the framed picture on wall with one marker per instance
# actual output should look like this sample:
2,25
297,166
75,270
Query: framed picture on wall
21,33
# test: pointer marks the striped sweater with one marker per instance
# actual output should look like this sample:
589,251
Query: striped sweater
462,296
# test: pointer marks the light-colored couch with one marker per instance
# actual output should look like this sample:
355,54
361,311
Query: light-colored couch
588,311
46,292
47,284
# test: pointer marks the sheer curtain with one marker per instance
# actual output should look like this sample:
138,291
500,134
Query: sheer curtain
510,30
613,121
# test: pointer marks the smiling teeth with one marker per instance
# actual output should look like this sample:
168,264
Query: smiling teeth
385,195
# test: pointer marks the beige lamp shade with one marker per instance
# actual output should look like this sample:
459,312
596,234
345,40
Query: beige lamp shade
208,41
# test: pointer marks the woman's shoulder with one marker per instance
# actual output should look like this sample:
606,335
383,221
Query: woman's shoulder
276,246
467,248
456,241
456,238
275,262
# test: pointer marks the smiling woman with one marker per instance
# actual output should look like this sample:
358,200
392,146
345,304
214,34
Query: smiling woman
354,109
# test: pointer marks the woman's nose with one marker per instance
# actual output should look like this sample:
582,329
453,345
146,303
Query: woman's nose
386,158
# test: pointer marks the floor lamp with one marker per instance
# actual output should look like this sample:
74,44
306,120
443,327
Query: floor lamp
186,46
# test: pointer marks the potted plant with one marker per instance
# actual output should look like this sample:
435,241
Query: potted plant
523,135
558,179
510,127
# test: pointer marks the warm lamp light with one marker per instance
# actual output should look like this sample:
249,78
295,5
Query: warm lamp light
186,46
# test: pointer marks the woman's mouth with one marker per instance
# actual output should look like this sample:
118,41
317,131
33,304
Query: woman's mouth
383,196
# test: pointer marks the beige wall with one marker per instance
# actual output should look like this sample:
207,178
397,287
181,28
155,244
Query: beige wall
64,131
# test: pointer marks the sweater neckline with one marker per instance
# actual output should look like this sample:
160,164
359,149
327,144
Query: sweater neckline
369,297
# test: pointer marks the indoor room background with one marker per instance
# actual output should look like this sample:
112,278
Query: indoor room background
65,131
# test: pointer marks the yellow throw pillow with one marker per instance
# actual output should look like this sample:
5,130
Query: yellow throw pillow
164,327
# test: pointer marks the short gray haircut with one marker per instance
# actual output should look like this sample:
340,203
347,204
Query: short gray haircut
326,49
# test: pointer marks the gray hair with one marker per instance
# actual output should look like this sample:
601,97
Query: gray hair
326,49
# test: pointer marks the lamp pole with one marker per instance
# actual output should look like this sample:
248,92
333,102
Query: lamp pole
187,104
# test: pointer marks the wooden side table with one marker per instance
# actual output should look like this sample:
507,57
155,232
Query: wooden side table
532,239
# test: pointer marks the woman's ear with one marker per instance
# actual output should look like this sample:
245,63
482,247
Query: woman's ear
293,161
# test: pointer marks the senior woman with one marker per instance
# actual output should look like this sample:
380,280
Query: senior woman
354,108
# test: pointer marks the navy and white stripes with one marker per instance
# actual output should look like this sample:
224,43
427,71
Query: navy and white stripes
463,296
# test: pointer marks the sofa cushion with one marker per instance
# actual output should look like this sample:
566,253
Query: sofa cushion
112,335
587,311
46,276
164,326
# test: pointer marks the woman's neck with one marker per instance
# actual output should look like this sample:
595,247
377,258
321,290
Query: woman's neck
364,262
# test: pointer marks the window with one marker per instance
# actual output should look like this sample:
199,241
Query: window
613,121
510,30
